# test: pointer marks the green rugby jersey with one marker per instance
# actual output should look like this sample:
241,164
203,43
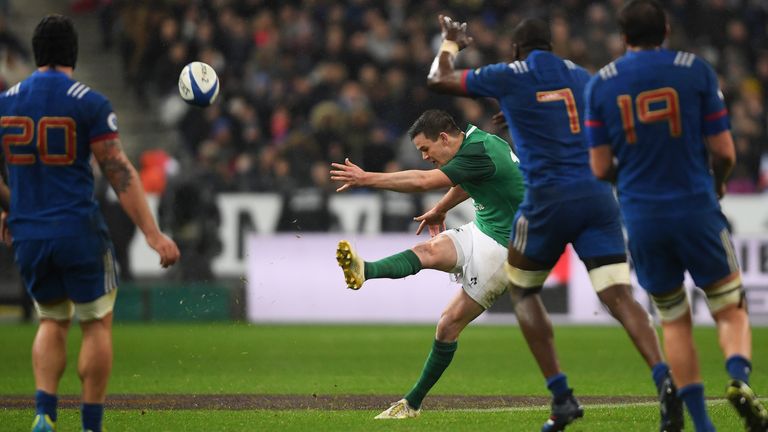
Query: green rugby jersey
487,169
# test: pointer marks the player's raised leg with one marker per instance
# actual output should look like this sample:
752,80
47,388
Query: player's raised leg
49,358
437,253
527,278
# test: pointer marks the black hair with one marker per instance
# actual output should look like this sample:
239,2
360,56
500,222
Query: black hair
432,123
55,42
532,34
643,23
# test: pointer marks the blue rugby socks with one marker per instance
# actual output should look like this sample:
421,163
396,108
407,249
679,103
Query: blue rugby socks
558,385
92,416
45,403
738,368
659,371
693,396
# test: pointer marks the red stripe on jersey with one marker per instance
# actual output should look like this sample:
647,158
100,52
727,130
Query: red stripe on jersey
464,80
593,123
714,116
104,137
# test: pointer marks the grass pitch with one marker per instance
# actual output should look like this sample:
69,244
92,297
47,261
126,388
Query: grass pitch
360,360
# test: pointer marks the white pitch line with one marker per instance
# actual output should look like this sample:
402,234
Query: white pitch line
586,407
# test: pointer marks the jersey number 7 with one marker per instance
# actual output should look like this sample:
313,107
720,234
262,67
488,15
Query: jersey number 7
669,112
565,95
25,135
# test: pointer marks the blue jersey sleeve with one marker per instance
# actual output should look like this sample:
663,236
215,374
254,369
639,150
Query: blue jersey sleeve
714,111
489,81
594,122
103,121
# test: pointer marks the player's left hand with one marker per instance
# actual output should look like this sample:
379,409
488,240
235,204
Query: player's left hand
454,31
432,219
348,173
720,190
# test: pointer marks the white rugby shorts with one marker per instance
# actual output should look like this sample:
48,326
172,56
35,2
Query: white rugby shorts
480,263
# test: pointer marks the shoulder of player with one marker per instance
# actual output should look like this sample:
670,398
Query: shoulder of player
80,91
684,59
13,90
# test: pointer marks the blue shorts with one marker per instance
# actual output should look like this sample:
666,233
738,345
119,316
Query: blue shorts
591,222
663,249
80,268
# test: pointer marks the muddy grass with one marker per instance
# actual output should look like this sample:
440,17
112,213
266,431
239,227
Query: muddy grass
313,401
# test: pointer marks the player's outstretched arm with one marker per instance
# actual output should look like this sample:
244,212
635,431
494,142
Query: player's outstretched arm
124,179
435,217
443,77
401,181
723,153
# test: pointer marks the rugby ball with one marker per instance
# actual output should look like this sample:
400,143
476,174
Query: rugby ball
198,84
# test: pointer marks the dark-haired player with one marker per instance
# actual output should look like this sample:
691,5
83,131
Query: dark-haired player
541,98
50,125
661,114
473,164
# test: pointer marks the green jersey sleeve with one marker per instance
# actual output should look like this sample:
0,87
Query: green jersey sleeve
471,163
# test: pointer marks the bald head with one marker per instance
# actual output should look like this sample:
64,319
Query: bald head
532,34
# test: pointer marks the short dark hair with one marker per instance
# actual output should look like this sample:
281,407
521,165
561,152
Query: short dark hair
532,34
55,42
643,23
432,123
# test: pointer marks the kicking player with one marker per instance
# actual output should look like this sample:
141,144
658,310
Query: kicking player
473,164
541,98
661,114
50,125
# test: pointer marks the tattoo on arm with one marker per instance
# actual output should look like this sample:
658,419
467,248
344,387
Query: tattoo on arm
113,163
117,172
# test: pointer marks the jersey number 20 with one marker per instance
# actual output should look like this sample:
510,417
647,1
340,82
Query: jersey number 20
669,112
25,135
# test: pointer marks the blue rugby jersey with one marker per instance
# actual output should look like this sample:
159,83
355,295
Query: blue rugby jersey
47,124
654,107
541,98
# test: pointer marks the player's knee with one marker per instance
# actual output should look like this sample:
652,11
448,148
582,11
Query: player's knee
672,306
525,282
449,327
730,293
609,275
427,252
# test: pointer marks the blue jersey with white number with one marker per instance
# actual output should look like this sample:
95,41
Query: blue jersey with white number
47,124
654,108
541,98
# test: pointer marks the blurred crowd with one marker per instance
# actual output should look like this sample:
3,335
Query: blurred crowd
313,81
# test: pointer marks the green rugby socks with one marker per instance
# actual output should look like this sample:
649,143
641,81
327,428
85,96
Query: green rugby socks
439,359
395,266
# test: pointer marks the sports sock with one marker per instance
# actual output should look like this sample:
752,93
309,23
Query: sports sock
738,367
558,385
45,403
92,415
439,359
395,266
693,396
659,371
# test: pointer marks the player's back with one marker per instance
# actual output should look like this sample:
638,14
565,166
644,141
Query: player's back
654,106
48,122
541,98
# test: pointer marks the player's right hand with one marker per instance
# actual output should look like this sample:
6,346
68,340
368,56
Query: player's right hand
454,31
5,233
166,248
432,219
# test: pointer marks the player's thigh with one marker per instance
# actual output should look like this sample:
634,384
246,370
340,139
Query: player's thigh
483,275
40,276
652,247
706,248
600,234
456,246
87,266
538,233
